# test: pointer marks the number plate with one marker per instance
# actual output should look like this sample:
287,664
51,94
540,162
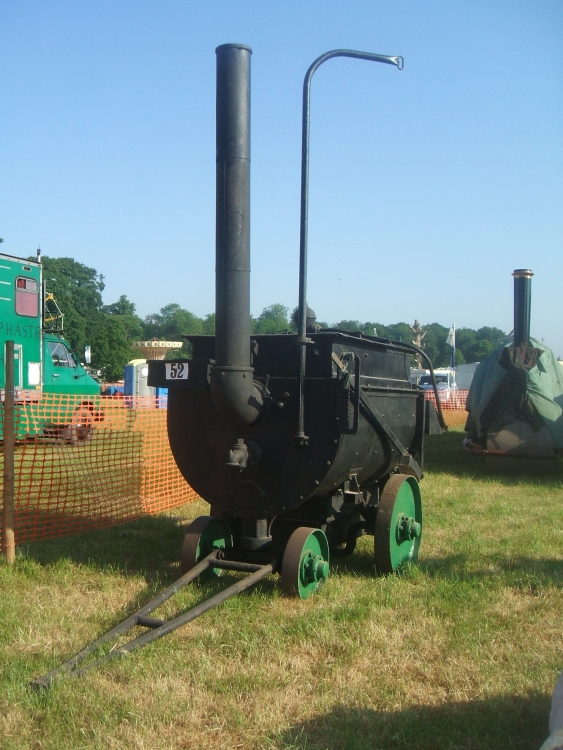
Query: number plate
176,370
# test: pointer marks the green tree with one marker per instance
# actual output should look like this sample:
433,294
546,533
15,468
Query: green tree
272,319
111,349
78,291
465,340
171,324
494,335
480,349
459,357
124,310
108,329
400,332
475,345
209,325
348,325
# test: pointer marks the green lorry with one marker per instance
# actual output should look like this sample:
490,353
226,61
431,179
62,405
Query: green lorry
54,394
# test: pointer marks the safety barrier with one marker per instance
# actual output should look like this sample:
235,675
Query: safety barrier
84,463
90,462
453,405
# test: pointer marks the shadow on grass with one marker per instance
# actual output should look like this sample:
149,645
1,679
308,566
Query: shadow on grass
516,722
149,546
519,571
444,454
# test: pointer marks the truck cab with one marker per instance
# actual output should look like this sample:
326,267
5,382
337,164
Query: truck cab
44,364
62,371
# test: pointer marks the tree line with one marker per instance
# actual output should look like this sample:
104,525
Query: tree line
111,329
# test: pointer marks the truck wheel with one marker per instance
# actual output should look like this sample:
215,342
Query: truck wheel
80,430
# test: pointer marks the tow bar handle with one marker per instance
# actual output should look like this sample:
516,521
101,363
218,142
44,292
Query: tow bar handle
159,628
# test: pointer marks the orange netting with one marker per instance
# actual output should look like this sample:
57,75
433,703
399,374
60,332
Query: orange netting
88,462
453,405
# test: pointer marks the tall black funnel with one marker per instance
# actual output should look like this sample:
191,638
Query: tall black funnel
235,396
522,306
232,301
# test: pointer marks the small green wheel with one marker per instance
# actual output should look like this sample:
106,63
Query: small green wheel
203,536
305,563
398,524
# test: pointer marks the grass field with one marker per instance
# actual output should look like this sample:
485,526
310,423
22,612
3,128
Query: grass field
460,651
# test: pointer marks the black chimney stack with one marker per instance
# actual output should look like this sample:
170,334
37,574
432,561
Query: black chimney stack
235,395
232,301
522,306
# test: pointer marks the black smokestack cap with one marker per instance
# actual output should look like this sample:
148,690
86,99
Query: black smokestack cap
522,305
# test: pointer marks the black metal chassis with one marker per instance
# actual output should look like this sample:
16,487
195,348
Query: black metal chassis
364,421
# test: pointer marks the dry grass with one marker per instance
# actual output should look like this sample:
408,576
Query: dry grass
459,651
455,417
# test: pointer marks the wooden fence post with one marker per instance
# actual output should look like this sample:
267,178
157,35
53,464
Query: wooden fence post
9,449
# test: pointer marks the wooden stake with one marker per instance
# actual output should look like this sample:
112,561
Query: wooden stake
9,449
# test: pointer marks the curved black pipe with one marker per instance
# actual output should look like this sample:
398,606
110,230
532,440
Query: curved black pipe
234,393
404,346
418,350
441,420
302,319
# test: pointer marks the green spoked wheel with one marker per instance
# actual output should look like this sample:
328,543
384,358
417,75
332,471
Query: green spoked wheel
305,563
203,536
398,524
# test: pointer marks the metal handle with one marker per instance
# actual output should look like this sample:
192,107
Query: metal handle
302,319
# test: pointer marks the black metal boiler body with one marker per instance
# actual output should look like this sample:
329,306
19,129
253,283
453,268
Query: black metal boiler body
300,442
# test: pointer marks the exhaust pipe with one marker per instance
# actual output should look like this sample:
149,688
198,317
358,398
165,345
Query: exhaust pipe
235,395
522,306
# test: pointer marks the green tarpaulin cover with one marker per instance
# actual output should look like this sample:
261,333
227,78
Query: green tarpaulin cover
512,383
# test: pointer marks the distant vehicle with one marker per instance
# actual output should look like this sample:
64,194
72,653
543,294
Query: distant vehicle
113,390
464,374
416,374
445,382
44,363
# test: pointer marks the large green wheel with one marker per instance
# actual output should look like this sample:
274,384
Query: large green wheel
203,536
305,563
398,524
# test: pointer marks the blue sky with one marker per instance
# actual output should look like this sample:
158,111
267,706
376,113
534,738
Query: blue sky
429,186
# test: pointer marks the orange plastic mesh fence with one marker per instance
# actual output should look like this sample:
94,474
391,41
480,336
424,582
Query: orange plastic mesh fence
453,405
88,462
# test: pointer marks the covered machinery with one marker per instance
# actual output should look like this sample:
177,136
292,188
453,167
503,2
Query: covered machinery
515,402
